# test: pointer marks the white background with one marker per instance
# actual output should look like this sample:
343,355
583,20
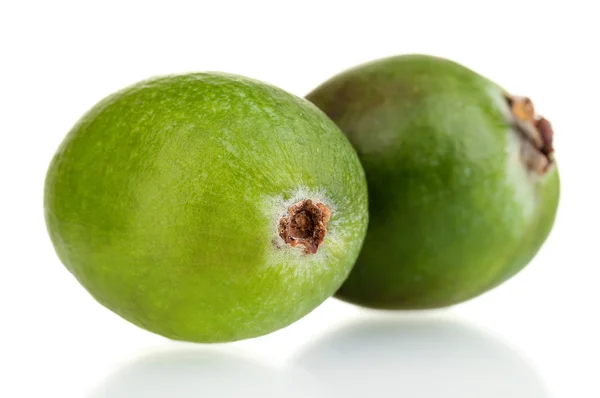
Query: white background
535,336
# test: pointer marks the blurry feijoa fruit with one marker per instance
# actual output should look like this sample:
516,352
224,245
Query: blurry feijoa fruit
207,207
463,186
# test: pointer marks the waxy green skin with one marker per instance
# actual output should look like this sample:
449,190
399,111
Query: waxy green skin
164,202
454,211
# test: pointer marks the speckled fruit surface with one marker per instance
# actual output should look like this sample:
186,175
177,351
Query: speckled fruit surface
463,185
207,207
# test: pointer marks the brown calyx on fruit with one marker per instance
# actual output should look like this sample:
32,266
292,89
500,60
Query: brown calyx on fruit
537,150
306,224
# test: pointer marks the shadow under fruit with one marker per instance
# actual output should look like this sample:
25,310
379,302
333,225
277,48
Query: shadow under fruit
463,185
207,207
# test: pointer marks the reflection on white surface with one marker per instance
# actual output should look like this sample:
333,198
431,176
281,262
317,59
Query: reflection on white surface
373,357
419,359
188,371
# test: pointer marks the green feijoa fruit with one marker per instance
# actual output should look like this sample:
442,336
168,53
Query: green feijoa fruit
463,186
207,207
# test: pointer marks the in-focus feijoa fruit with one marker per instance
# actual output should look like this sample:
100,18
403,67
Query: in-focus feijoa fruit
207,207
463,186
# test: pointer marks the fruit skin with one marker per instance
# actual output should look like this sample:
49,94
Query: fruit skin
165,199
454,211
